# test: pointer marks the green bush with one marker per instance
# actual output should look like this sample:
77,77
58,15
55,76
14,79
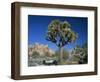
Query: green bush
35,54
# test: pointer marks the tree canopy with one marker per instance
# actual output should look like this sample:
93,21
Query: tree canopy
60,33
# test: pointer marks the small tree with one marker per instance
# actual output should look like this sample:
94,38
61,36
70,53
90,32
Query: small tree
61,34
81,53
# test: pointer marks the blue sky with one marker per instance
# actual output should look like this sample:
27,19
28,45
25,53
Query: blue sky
38,25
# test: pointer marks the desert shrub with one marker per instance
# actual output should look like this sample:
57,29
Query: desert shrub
80,54
35,54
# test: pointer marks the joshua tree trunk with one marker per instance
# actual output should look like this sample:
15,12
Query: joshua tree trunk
60,55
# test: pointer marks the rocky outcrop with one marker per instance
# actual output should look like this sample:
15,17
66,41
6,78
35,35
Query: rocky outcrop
42,49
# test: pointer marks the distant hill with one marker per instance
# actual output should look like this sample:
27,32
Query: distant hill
41,49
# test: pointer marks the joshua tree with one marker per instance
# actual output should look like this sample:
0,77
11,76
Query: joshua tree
60,33
81,53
